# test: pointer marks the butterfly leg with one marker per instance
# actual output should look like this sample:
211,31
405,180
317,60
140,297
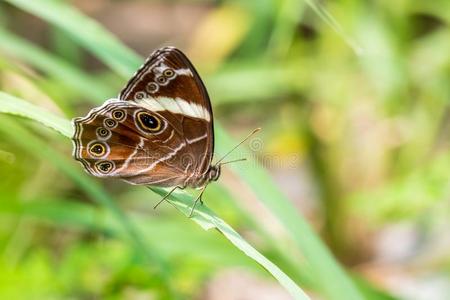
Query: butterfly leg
165,197
198,199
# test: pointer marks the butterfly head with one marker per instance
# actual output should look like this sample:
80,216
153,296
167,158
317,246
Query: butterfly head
213,173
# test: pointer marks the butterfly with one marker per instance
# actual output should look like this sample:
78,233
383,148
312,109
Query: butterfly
158,132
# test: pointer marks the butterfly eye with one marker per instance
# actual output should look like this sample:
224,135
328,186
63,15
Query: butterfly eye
118,115
110,123
103,133
168,73
140,95
161,79
97,149
147,122
104,166
152,87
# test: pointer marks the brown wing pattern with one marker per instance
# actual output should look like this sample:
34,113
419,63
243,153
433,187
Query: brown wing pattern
169,75
159,132
111,141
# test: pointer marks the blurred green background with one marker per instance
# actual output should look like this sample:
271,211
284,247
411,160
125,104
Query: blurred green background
354,101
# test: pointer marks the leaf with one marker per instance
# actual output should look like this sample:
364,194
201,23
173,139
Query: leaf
331,277
69,76
87,32
181,200
13,105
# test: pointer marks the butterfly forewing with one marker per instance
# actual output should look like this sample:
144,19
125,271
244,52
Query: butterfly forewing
167,73
168,80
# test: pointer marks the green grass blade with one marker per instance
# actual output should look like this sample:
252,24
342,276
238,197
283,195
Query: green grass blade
30,143
37,58
330,276
13,105
58,68
289,15
73,213
182,201
85,31
206,218
331,21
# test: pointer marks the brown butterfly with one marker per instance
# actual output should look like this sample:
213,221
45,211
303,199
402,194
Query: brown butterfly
159,132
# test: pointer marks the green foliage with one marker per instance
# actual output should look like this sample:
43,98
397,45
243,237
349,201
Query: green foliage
357,91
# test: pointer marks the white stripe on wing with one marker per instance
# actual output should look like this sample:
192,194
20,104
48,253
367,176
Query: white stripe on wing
176,106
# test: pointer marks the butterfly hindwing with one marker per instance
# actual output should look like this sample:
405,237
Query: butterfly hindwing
119,139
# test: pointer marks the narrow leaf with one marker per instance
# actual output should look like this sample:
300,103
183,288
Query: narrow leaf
181,200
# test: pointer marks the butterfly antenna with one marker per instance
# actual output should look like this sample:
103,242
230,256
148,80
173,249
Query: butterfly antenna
240,143
233,161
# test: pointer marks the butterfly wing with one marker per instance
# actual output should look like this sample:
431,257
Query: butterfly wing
117,138
167,73
121,139
168,82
